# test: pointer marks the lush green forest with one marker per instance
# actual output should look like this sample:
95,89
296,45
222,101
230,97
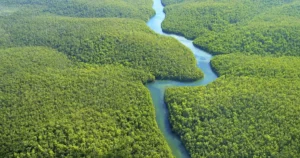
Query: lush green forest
238,117
257,66
53,108
88,8
252,109
72,78
263,27
104,41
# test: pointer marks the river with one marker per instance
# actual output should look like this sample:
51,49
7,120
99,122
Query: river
158,87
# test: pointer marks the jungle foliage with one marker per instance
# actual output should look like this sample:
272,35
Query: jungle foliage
238,117
104,41
72,86
51,107
92,8
250,111
257,66
72,78
260,27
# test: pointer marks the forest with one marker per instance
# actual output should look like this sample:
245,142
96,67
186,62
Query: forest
257,66
238,117
73,75
51,107
104,41
221,27
252,109
140,9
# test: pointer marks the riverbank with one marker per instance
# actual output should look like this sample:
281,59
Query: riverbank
157,88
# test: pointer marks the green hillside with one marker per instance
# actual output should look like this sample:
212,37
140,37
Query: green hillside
104,41
92,8
52,108
263,27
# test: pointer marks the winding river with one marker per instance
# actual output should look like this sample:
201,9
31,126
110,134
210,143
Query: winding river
157,88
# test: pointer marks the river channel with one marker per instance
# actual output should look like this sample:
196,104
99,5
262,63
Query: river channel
157,88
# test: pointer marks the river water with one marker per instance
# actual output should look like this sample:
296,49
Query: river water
157,88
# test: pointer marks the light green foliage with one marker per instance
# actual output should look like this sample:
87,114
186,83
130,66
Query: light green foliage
92,8
260,27
4,10
168,2
106,41
4,38
74,87
255,65
238,117
51,108
31,60
278,36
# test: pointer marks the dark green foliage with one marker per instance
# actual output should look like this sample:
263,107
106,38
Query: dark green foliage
106,41
238,117
260,27
51,108
255,65
92,8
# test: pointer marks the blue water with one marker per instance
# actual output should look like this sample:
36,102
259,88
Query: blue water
157,88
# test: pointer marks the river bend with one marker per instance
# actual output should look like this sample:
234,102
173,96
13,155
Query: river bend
157,88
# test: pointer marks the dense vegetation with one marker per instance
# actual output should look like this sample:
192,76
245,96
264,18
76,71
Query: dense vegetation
250,111
53,108
257,66
263,27
104,41
168,2
238,117
92,8
72,75
72,86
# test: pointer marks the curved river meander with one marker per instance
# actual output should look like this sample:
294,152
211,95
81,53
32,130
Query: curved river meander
157,88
